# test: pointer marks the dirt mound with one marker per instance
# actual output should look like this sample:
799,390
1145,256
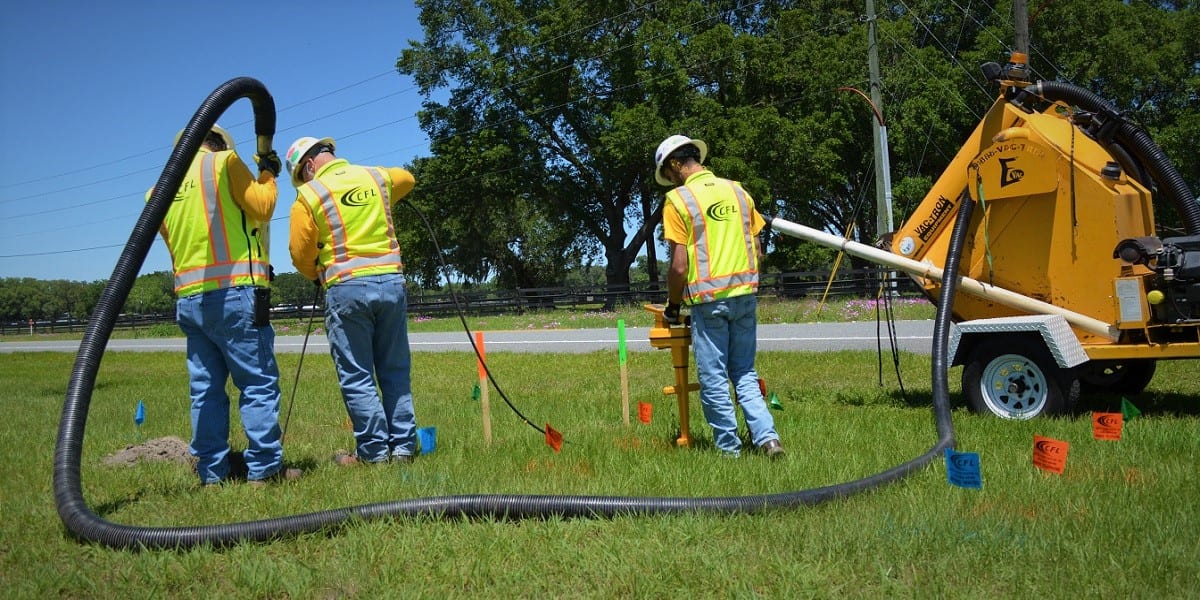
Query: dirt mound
168,448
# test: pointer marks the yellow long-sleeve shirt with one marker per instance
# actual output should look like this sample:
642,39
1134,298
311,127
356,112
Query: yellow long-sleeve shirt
254,196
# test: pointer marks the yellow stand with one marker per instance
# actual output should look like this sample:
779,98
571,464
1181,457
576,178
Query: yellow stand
679,339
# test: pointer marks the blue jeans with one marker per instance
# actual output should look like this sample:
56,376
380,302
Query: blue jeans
223,343
724,336
366,321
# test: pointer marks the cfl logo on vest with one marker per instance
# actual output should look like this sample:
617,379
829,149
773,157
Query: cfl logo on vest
359,196
721,211
187,186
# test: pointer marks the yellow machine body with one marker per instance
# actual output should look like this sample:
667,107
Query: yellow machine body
1051,206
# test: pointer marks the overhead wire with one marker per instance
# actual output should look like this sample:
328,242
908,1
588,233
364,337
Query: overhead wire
526,114
289,107
952,55
1007,24
389,123
160,149
278,110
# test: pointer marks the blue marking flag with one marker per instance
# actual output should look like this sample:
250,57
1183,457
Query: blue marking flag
962,469
139,415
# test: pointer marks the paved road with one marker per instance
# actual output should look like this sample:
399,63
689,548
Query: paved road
913,336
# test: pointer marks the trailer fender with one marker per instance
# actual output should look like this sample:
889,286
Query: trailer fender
1054,330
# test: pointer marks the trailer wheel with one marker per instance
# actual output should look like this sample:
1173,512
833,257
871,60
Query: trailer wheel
1016,378
1116,376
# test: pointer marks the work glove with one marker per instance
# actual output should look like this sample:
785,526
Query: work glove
671,314
269,162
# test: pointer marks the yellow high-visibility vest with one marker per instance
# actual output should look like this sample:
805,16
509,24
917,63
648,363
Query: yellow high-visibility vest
723,252
213,243
352,209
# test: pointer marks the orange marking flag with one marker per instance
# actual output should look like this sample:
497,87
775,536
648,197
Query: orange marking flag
1050,454
553,438
1107,426
644,411
482,354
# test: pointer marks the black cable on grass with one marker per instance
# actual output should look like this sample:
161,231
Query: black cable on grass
312,313
458,310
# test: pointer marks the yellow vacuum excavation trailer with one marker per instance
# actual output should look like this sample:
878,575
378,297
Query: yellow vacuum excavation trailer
1063,190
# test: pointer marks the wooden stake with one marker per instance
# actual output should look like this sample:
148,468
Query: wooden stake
483,391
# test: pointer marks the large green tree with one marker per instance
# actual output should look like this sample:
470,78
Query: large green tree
555,108
564,101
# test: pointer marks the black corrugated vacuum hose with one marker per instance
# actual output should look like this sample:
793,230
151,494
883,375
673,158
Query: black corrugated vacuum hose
1137,142
85,525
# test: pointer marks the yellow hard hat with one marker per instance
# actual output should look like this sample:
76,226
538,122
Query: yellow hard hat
670,145
297,151
217,129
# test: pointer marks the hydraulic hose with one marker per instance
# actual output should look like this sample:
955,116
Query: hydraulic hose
1138,143
84,524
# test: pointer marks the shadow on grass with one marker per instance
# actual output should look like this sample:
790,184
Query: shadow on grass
1148,403
237,475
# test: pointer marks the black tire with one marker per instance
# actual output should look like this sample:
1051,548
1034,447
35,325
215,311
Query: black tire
1116,376
1014,377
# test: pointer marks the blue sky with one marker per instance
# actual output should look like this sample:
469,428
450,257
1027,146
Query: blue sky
94,94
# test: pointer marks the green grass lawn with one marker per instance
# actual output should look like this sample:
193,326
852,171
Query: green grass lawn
1119,522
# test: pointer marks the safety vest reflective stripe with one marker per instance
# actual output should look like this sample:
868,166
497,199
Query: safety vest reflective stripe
703,286
339,270
343,264
333,217
210,193
385,192
223,274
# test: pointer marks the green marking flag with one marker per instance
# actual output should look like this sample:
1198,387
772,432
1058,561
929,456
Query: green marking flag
621,340
476,392
775,403
1128,410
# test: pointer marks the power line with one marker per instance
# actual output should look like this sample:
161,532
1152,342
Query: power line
26,255
545,109
156,167
238,124
162,148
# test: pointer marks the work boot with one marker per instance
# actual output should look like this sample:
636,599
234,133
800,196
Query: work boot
343,459
280,475
773,448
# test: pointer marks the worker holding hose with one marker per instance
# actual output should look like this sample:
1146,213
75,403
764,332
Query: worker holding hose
342,238
216,232
711,225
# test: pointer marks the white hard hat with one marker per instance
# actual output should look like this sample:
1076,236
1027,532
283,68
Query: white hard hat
217,129
670,145
296,152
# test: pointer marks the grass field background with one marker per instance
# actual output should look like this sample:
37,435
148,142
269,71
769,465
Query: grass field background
1121,521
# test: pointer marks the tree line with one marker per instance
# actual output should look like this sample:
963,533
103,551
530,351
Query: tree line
540,168
65,302
541,151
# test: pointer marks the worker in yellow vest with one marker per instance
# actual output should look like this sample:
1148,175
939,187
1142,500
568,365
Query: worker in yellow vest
711,227
342,238
216,232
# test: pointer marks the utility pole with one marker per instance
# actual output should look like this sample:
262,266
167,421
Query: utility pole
883,169
883,176
1021,27
1018,65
